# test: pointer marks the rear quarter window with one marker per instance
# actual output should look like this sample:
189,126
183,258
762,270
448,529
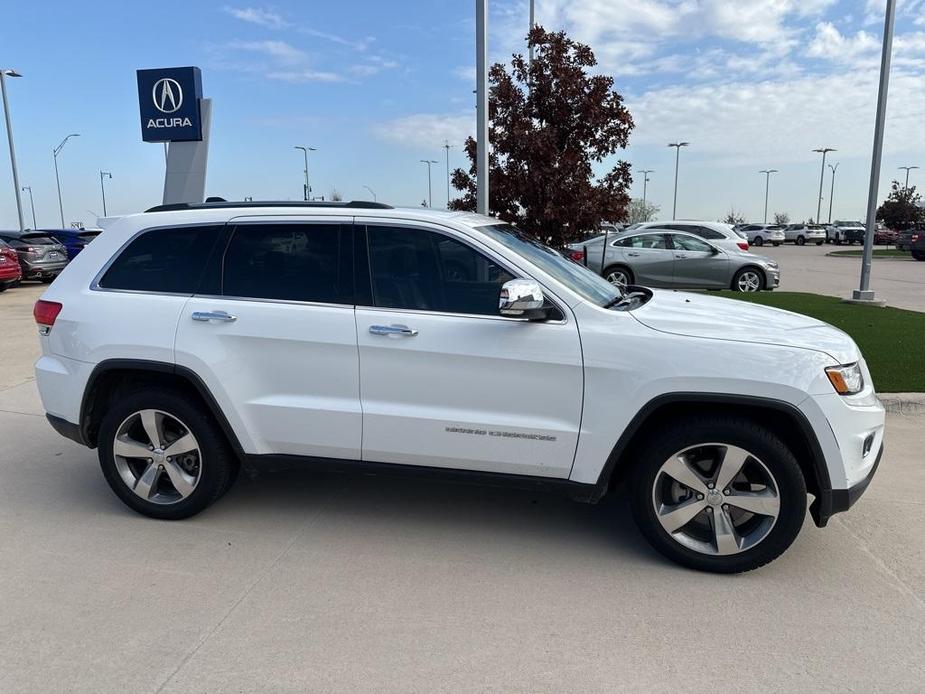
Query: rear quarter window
170,261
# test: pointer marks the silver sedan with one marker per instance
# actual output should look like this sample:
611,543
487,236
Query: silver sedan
664,258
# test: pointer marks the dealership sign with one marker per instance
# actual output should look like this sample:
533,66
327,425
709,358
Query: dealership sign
169,103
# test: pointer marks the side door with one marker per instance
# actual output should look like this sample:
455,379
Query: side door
274,337
446,381
649,257
698,264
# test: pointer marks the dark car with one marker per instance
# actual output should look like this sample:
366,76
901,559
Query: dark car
40,256
74,240
10,272
913,240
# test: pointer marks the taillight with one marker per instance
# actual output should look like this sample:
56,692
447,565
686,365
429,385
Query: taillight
915,237
742,244
46,312
577,256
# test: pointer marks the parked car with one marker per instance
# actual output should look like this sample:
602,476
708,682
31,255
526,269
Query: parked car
845,232
802,233
193,339
40,256
913,240
666,258
10,272
885,237
717,233
74,240
760,234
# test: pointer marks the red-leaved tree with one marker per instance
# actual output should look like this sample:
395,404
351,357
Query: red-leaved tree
548,127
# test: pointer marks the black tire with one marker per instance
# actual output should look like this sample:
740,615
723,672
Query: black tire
735,280
759,241
918,255
819,243
630,277
776,244
4,287
734,431
218,464
837,239
801,240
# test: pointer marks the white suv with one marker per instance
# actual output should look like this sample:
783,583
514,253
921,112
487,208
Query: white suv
190,340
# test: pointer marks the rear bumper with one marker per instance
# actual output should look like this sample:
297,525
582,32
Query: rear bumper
832,501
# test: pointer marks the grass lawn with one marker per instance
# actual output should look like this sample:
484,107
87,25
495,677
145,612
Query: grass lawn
878,253
892,340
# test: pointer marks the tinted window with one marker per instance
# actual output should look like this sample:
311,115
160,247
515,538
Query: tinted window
296,262
687,243
163,260
654,241
704,232
419,269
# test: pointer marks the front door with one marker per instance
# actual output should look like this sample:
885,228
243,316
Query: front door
276,341
698,264
446,381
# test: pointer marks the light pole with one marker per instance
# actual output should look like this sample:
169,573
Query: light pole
9,135
831,192
375,199
56,152
767,184
103,189
306,188
645,182
677,157
481,106
446,148
908,169
864,292
430,201
32,203
532,24
824,151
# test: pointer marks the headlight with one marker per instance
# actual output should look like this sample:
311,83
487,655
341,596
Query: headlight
846,379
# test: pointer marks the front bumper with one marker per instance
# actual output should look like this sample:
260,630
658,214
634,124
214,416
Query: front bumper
832,501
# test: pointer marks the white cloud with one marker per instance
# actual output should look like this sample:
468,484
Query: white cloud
303,75
279,51
257,15
831,44
427,130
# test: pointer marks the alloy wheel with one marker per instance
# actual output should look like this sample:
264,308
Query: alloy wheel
716,499
157,456
748,281
618,277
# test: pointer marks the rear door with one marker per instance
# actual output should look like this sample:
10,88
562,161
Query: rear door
698,264
445,380
274,337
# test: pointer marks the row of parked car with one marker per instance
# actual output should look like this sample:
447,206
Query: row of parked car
837,232
39,254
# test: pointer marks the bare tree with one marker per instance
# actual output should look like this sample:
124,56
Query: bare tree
782,218
336,195
641,211
734,217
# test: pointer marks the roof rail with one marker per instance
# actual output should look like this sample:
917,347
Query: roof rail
219,205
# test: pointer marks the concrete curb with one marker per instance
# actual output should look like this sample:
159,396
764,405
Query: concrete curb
903,403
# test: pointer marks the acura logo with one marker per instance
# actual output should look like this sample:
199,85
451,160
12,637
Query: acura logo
168,95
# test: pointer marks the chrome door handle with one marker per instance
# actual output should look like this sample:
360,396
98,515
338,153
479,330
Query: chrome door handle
680,257
393,330
633,255
206,316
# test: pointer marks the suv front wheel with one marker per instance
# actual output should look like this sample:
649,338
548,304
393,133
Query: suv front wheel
163,456
719,494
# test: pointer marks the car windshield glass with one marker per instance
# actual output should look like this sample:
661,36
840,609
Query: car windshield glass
576,277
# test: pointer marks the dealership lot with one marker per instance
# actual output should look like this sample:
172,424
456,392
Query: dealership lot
808,269
301,581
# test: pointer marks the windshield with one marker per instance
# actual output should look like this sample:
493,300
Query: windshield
576,277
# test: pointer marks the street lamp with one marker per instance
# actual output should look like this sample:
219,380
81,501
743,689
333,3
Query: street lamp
32,202
767,184
481,107
56,152
677,157
907,169
375,199
824,151
645,181
104,174
430,202
446,147
306,188
9,135
832,192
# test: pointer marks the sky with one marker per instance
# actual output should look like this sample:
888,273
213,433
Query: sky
376,87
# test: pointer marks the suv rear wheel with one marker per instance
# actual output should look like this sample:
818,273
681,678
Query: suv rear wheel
164,456
719,494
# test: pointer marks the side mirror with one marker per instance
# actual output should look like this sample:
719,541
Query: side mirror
522,299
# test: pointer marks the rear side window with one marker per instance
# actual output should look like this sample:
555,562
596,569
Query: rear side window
653,241
294,262
163,260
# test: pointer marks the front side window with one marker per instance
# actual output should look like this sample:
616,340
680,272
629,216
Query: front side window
163,260
293,262
426,271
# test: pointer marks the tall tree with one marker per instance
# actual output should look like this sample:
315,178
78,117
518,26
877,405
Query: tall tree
639,211
548,125
902,208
